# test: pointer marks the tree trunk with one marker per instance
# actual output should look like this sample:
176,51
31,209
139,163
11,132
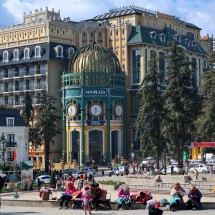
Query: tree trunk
47,146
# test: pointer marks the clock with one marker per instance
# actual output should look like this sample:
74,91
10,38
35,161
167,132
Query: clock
95,109
72,110
118,110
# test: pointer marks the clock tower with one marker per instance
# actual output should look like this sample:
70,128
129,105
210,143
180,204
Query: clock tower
94,107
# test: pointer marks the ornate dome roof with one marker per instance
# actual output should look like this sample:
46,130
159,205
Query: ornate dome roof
94,58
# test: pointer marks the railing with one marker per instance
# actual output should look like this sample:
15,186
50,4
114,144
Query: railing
94,79
11,144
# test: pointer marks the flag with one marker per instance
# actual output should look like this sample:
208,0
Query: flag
14,155
31,153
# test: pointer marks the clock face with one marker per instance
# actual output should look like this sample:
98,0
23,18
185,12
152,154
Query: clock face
118,110
95,110
72,110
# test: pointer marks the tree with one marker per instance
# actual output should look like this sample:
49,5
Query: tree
149,119
206,120
27,111
180,103
3,149
46,125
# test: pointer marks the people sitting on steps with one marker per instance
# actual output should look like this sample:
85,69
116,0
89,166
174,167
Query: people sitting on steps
194,201
124,197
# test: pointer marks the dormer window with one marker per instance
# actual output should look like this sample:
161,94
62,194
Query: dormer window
26,54
5,57
15,55
193,43
177,38
59,51
153,34
162,37
70,52
37,52
186,41
10,122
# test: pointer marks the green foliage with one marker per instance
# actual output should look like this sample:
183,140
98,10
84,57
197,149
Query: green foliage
206,120
46,124
3,149
180,103
148,122
27,109
109,182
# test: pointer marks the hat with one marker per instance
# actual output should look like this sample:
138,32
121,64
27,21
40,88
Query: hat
70,185
126,188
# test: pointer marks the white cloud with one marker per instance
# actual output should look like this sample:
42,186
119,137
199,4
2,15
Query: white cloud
198,12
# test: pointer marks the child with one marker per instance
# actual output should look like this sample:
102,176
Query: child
87,198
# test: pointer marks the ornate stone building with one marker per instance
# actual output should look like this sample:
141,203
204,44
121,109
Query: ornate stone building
132,33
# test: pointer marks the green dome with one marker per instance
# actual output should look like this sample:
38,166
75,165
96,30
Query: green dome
94,58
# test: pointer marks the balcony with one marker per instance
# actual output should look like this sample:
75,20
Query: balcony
11,144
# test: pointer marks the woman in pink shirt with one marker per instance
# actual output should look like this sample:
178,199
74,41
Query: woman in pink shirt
67,195
123,197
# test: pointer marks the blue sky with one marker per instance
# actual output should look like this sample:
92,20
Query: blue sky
198,12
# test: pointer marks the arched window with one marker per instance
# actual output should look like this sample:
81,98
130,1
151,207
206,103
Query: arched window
59,51
5,57
26,54
70,52
37,52
15,55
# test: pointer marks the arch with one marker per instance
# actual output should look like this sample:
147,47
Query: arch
5,57
74,145
26,53
37,52
15,55
95,147
116,146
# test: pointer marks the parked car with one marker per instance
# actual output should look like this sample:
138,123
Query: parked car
44,179
2,174
200,168
90,169
70,171
148,160
168,170
77,175
192,163
210,162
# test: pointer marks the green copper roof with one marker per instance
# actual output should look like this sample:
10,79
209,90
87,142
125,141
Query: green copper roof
143,35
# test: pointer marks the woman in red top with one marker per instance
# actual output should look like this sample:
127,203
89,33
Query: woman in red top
67,196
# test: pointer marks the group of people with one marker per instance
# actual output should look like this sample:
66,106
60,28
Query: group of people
90,194
176,203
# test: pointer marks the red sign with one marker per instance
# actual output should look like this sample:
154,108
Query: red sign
204,144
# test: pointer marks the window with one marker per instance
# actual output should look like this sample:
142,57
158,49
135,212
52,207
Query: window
20,100
146,61
59,51
162,66
20,85
37,52
10,122
31,70
1,100
194,79
10,155
15,55
70,52
10,73
10,100
5,57
135,102
26,54
1,73
136,66
1,87
31,84
10,87
153,34
21,71
162,37
43,84
42,68
10,138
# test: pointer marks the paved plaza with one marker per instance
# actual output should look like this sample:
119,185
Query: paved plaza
55,211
